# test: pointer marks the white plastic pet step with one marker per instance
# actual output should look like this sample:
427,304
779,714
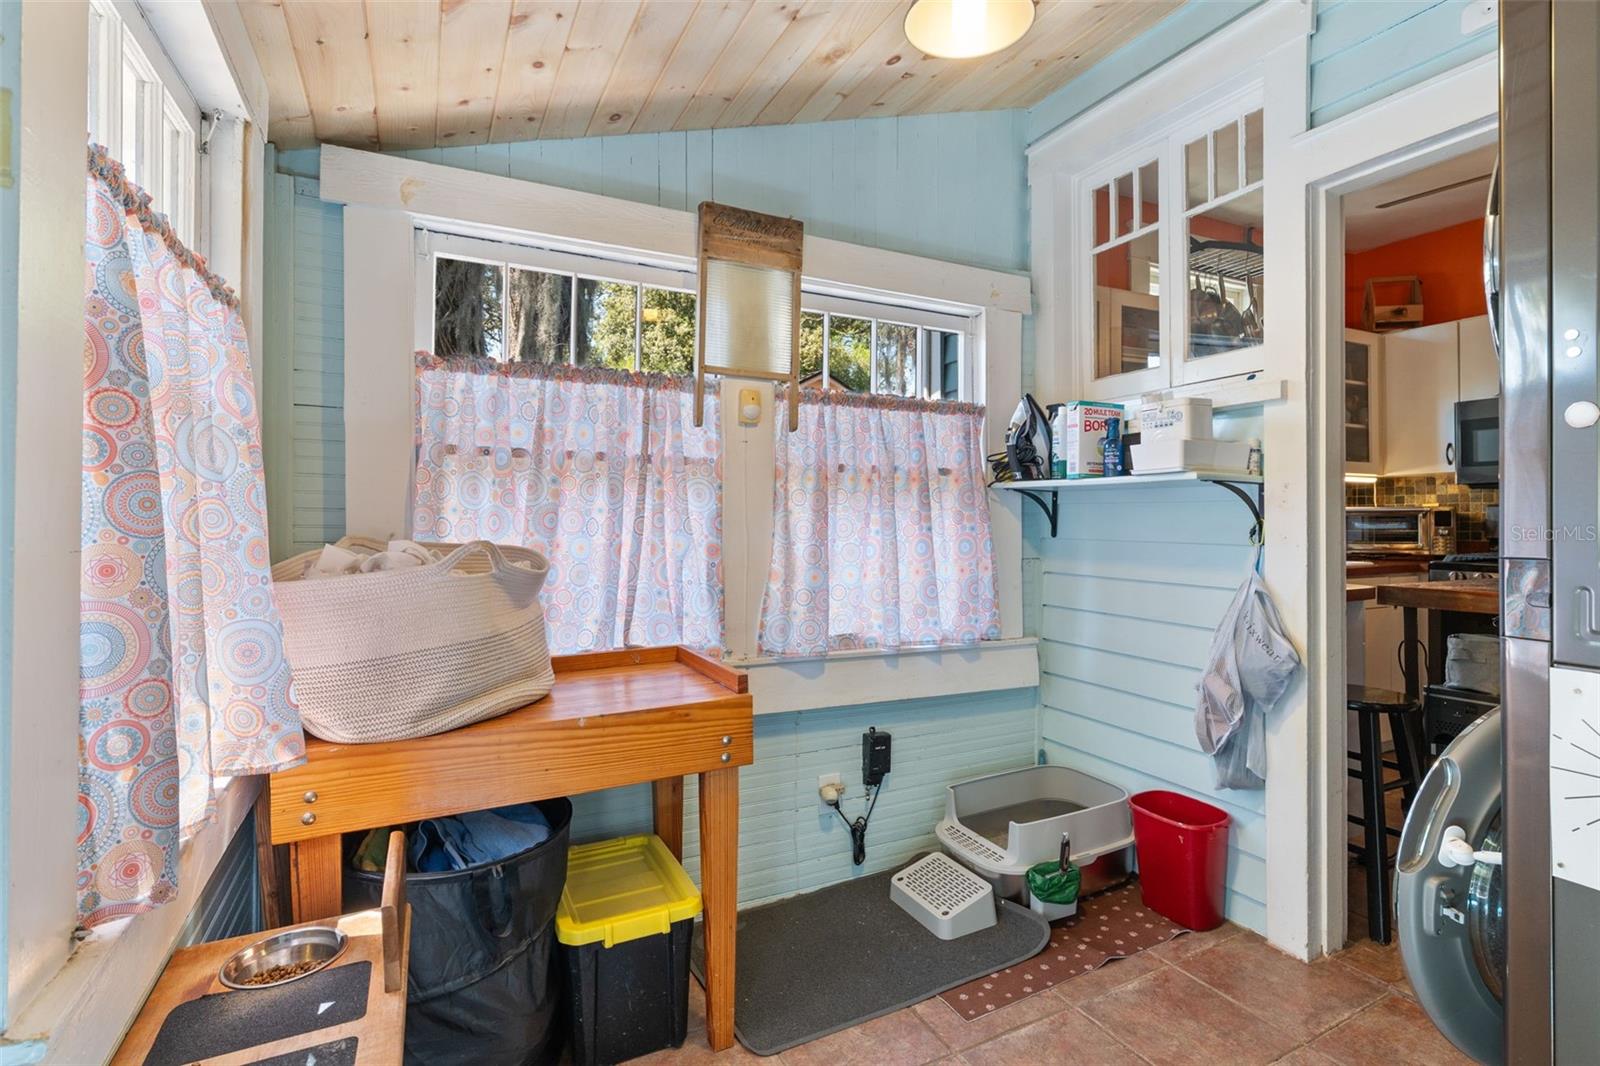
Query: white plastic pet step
946,897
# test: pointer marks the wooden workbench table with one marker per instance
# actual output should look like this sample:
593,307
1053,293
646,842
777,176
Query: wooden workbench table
613,719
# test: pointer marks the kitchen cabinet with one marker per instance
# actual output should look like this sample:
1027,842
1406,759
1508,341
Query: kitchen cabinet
1479,365
1421,379
1425,372
1363,402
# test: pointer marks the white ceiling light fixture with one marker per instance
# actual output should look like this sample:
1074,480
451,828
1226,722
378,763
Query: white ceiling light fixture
964,29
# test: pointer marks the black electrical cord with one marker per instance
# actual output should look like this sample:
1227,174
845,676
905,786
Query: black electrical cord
858,826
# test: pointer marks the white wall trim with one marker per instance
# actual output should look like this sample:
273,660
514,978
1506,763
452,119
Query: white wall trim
82,1014
448,194
42,780
782,685
1439,118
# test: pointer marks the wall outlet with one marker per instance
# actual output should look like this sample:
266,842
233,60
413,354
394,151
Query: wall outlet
824,781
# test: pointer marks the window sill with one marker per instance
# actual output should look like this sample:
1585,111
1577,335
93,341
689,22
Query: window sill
850,678
83,1012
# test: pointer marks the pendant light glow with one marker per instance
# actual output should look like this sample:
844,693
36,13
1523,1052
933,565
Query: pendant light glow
963,29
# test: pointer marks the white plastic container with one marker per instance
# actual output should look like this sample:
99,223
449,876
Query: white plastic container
1178,454
1052,911
1163,418
1001,824
1472,660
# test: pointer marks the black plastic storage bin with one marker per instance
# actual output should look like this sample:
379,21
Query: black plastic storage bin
630,999
483,985
625,923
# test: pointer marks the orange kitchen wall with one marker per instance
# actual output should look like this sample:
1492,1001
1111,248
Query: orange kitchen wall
1449,261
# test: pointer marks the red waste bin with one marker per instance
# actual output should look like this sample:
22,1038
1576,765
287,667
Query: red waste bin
1182,846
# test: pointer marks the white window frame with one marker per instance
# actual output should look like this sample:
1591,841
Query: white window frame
125,51
431,244
1162,139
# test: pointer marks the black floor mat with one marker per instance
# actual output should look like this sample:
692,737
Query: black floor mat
814,964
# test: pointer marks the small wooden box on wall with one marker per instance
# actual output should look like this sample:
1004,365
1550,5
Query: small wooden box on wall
748,304
1379,317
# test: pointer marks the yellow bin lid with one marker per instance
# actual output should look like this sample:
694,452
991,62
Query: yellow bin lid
621,890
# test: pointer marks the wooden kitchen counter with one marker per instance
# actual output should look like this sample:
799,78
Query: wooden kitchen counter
1435,597
1360,593
1472,597
612,719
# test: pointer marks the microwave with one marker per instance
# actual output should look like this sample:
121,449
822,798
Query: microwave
1399,531
1477,443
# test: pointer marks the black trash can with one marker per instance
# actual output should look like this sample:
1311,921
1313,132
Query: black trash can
483,986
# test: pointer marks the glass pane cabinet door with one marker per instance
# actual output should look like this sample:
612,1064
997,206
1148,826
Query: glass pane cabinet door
1127,274
1223,240
1361,422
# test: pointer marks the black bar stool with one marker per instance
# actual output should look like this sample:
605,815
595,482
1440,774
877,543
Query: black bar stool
1369,705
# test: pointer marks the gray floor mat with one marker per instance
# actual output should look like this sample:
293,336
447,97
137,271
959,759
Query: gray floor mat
814,964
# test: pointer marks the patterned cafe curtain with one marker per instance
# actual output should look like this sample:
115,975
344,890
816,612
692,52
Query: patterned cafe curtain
183,677
880,527
601,470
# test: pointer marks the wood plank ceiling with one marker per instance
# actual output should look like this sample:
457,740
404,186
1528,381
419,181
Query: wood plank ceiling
397,74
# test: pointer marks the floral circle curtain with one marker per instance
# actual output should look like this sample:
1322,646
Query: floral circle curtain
603,471
183,677
881,532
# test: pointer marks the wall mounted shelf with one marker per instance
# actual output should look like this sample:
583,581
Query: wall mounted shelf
1245,486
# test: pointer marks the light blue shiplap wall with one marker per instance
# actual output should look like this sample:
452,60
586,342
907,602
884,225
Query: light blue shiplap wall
1365,50
1131,591
951,187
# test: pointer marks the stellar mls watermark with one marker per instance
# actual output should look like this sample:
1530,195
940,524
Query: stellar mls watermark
1574,534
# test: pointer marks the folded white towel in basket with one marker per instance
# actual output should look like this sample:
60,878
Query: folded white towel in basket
339,562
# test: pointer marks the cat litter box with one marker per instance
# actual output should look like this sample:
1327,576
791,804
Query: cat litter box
1000,824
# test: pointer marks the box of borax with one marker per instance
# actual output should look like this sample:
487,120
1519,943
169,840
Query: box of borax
1078,436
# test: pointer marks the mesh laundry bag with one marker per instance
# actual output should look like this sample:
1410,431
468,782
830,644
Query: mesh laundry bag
1250,665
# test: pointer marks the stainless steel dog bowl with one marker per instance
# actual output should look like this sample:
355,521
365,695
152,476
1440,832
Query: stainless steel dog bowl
314,944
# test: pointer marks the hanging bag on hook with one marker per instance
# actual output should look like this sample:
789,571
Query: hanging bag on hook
1250,665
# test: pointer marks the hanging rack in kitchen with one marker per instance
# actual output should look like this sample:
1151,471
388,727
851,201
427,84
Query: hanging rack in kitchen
1235,260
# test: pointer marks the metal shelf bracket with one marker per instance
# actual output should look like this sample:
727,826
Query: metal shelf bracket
1254,503
1052,510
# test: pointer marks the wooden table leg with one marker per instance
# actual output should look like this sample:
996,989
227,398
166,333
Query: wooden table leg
668,796
719,888
316,878
1408,654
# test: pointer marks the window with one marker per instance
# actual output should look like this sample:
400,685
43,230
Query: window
1223,208
1127,271
516,304
1191,197
143,113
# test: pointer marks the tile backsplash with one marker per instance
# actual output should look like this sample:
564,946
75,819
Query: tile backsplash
1471,503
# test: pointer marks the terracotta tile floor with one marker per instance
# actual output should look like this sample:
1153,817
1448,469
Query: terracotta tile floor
1223,997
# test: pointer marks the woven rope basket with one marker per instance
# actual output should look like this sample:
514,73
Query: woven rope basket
408,653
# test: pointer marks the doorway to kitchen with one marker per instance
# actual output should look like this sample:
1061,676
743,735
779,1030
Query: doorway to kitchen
1412,381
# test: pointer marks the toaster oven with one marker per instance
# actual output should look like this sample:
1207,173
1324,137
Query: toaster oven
1399,531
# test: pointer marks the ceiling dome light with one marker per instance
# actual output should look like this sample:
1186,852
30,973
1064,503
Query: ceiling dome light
962,29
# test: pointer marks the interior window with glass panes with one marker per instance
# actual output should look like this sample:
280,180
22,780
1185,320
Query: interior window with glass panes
1126,215
1223,212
